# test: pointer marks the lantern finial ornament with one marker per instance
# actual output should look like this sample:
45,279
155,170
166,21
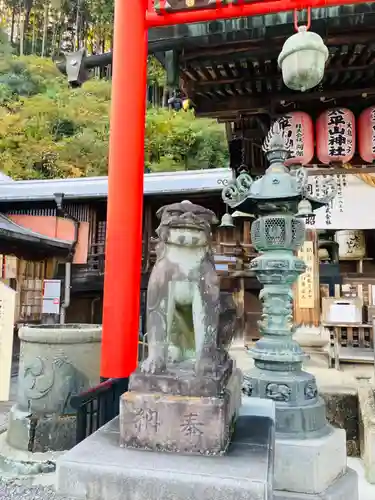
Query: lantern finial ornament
276,145
302,60
279,189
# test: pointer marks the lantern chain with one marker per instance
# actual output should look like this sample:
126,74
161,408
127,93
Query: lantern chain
308,21
243,167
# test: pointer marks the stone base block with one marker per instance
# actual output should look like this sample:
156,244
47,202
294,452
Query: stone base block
310,468
366,401
98,469
161,422
310,465
344,488
40,433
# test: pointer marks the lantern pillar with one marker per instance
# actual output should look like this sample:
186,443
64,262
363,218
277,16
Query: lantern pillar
304,439
125,192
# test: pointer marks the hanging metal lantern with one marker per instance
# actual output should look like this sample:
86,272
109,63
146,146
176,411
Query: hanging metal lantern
366,135
298,127
226,222
335,136
305,212
303,57
304,209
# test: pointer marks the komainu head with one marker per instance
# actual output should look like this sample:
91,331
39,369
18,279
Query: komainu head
185,224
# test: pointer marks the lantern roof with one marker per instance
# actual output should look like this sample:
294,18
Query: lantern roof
277,190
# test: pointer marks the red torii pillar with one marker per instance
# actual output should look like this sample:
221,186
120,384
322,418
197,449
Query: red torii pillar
125,192
126,163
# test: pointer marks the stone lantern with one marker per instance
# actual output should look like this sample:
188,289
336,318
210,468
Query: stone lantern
277,199
302,60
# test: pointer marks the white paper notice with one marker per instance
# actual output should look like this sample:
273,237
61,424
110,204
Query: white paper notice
342,313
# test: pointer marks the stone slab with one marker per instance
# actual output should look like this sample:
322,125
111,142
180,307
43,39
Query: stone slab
182,381
258,407
98,469
40,433
344,488
175,423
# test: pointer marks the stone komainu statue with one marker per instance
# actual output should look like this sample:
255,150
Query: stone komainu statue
183,297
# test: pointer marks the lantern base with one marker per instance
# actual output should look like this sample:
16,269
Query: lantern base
300,411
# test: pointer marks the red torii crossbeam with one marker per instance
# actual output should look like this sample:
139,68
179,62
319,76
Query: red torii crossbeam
121,306
238,9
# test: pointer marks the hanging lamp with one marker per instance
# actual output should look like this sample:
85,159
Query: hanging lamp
227,222
303,57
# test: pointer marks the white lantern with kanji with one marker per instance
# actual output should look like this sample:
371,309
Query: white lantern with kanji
299,129
335,136
366,135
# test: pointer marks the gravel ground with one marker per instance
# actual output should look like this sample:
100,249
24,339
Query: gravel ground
14,490
20,489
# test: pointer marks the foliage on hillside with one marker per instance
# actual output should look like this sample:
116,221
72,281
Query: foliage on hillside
49,130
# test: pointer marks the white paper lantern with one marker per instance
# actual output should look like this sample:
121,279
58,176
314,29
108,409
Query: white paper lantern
302,60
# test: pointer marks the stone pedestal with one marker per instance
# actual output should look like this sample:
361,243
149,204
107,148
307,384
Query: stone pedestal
99,469
56,361
311,469
182,413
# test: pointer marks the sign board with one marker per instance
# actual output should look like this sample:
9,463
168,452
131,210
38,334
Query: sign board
9,267
7,315
222,262
51,297
306,281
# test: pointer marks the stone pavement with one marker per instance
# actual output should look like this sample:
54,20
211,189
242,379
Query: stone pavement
366,490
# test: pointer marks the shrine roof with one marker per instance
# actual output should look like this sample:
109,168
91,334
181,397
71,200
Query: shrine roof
20,241
229,67
193,181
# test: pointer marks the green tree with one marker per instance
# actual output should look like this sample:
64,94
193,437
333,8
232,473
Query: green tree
48,130
179,141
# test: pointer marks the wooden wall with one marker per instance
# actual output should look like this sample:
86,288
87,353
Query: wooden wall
26,277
